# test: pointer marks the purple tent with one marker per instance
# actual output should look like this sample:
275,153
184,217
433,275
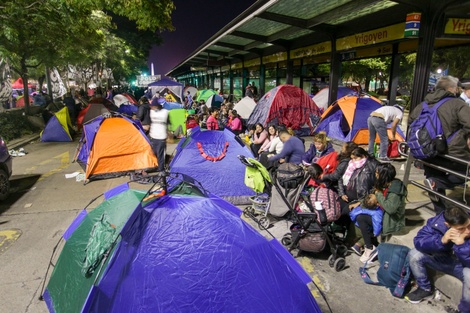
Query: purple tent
210,157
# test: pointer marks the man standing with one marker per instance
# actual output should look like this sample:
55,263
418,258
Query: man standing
189,101
454,115
158,131
465,95
377,124
443,245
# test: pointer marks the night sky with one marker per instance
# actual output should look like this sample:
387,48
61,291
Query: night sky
194,22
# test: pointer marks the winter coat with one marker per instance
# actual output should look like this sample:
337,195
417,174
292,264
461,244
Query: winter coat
311,156
454,115
428,240
333,178
361,182
393,204
376,215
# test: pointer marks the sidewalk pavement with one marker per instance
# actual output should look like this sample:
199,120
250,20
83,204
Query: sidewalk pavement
23,141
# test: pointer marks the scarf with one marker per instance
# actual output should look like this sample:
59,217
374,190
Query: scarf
352,166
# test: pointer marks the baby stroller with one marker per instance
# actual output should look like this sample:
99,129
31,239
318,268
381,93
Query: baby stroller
307,233
259,180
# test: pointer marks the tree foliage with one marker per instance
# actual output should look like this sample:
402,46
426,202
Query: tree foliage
55,33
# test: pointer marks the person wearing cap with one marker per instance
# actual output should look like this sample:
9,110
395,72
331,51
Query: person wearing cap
158,131
465,95
377,124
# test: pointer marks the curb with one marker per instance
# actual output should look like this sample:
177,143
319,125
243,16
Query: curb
18,143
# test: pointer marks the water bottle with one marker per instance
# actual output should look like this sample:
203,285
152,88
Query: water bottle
321,212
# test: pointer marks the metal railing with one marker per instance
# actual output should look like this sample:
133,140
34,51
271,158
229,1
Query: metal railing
403,150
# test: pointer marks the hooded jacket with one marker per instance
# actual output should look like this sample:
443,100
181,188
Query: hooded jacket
428,240
393,204
454,115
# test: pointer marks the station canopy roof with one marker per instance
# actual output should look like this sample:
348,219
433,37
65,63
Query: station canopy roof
270,27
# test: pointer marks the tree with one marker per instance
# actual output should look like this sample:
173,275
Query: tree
60,32
362,71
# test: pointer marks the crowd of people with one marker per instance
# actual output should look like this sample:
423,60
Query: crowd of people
372,198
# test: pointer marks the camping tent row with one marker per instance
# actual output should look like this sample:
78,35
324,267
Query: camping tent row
125,256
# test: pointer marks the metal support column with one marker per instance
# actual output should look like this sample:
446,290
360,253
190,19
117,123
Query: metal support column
262,79
335,73
394,75
289,70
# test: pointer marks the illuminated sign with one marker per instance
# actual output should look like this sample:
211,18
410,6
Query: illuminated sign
281,56
143,81
457,26
413,21
373,37
253,62
308,51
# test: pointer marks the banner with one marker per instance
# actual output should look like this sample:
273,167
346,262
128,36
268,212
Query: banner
58,87
5,82
434,77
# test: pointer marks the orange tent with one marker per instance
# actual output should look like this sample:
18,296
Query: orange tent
112,147
346,120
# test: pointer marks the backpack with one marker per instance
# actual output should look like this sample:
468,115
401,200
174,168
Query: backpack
289,175
313,240
426,137
329,201
394,270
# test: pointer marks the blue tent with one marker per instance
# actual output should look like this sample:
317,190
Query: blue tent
128,109
172,105
346,119
58,128
184,252
210,157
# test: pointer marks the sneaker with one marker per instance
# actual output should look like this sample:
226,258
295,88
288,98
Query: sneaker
357,249
450,309
384,160
369,254
419,295
431,185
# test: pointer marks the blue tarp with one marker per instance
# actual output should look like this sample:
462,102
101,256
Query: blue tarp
193,254
225,177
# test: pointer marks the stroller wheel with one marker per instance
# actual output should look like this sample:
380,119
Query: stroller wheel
341,250
248,211
263,223
287,239
331,260
339,264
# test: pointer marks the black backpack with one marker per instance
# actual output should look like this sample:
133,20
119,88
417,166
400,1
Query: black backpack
289,175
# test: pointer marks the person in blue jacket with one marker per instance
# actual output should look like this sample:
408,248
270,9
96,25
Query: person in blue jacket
443,245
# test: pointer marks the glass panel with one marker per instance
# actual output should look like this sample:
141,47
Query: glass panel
310,8
262,27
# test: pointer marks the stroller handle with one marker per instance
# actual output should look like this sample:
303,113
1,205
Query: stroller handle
245,160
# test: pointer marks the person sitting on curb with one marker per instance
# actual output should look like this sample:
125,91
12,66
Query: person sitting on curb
443,245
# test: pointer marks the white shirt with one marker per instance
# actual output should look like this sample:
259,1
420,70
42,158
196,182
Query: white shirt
465,98
158,124
276,145
390,113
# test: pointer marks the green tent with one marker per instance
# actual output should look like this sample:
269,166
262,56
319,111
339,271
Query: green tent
177,118
205,94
